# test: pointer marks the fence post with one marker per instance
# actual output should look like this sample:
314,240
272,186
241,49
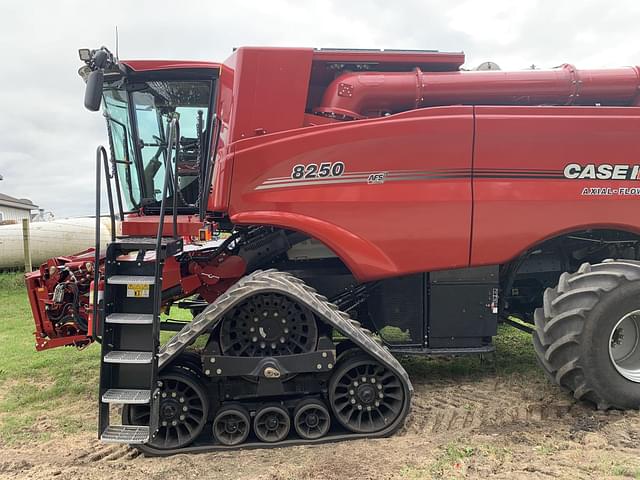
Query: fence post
26,245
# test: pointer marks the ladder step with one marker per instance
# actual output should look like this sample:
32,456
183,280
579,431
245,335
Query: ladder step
130,280
124,356
130,318
131,434
126,395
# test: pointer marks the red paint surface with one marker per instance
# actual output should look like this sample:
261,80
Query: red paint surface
378,230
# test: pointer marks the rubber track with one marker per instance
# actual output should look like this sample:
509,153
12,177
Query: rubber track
274,281
559,323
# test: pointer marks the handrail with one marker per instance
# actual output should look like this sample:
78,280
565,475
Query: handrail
171,129
107,178
101,154
175,182
167,170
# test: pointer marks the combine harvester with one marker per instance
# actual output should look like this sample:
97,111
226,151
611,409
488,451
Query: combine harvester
377,203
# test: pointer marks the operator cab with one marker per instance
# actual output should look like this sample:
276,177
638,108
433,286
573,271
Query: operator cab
139,99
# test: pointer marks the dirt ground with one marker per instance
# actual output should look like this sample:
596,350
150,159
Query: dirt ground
494,426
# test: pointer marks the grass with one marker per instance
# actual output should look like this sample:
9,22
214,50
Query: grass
514,356
54,392
33,384
625,471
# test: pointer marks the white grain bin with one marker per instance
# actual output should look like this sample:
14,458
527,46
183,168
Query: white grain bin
50,239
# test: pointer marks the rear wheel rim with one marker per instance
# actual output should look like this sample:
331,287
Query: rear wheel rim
624,346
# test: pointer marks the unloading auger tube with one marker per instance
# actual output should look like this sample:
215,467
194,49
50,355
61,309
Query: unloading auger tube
284,284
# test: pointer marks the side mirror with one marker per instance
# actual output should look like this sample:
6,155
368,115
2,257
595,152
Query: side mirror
93,91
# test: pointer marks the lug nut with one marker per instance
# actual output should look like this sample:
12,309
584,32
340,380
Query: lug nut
164,423
284,320
164,394
319,366
324,354
255,319
355,384
359,407
174,394
377,403
368,408
181,399
273,345
286,330
379,387
182,417
254,339
252,329
185,409
364,379
380,395
263,345
219,371
282,340
174,423
352,392
275,314
353,401
373,380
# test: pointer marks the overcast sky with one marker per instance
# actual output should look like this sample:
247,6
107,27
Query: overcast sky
48,139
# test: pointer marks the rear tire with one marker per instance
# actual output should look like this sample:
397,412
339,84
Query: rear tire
577,333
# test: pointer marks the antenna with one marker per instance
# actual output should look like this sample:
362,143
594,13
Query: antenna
117,56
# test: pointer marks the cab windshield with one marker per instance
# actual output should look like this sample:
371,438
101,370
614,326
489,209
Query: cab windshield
137,118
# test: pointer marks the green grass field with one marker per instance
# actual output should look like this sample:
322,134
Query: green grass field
35,384
55,391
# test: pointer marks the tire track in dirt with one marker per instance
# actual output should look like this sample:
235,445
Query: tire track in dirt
97,451
447,406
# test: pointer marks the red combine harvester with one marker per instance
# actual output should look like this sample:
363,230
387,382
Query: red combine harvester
369,204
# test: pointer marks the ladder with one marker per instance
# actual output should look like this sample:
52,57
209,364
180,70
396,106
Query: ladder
131,332
129,320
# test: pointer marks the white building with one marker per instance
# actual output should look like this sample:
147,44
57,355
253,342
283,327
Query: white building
15,209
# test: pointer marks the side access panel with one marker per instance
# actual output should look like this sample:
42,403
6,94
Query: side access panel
521,193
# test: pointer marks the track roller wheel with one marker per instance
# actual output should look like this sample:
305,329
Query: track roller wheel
271,424
231,425
365,396
183,410
311,419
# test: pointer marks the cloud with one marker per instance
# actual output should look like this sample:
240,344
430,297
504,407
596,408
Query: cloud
48,140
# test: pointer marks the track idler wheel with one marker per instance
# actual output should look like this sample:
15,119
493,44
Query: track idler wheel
231,425
271,424
311,419
268,325
365,396
184,408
